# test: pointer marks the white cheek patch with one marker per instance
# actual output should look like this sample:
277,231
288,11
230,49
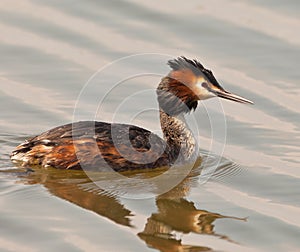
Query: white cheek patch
203,93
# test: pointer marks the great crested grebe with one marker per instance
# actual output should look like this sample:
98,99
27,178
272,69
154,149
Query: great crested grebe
71,146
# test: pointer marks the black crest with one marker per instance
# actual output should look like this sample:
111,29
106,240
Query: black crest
195,66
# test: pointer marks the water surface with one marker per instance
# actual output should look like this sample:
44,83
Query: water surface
251,202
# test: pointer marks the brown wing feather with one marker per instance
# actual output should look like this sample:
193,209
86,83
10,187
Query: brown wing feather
90,145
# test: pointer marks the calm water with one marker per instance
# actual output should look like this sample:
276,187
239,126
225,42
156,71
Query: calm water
251,158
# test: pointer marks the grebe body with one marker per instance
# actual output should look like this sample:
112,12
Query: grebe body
90,144
61,146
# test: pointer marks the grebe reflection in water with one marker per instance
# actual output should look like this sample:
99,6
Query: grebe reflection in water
178,94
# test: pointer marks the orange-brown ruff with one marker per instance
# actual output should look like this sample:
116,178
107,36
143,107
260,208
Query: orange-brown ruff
89,144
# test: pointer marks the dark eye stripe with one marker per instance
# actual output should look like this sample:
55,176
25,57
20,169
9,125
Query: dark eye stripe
212,78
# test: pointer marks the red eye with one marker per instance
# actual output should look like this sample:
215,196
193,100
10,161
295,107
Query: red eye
205,85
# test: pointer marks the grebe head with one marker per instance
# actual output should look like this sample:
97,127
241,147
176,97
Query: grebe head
186,84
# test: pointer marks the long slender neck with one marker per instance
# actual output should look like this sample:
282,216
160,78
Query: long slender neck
178,136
